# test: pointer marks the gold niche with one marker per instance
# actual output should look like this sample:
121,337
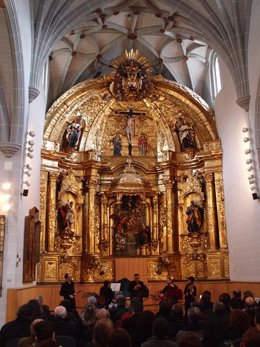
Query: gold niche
133,178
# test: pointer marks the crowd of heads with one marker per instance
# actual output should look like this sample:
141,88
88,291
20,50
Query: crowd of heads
232,320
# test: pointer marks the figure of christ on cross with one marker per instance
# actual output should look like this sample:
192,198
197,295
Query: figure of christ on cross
130,115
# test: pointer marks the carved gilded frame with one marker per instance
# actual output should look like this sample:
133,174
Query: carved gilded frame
2,236
31,245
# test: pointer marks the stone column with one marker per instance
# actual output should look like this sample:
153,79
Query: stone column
220,210
169,212
210,210
51,218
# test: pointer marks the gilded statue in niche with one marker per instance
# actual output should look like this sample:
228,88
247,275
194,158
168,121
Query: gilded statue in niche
143,144
185,134
72,134
66,217
195,215
117,143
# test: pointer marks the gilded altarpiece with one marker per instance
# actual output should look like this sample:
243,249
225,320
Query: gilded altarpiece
131,177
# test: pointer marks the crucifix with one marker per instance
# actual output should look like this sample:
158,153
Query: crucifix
129,129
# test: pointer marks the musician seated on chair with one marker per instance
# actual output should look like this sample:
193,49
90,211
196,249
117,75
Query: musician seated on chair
171,292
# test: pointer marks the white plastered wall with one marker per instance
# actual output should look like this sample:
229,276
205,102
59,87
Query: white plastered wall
242,212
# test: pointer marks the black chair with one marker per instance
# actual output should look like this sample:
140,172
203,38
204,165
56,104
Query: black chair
65,341
13,342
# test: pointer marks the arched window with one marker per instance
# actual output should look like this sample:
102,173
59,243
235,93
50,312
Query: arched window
45,77
215,81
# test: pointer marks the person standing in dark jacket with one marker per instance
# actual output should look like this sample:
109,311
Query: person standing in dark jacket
190,292
138,289
68,291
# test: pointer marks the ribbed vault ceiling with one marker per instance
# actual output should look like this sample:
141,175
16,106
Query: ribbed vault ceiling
158,31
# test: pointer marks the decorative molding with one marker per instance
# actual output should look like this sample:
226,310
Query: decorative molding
244,102
33,93
9,149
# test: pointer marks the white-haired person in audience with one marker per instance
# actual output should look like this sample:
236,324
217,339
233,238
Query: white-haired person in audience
63,325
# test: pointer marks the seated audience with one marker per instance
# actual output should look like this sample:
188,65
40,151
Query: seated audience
20,327
236,302
177,321
257,318
189,339
121,308
249,308
145,328
102,313
119,338
216,326
225,299
44,335
101,331
205,303
63,325
238,324
28,341
159,338
251,338
194,323
88,321
164,310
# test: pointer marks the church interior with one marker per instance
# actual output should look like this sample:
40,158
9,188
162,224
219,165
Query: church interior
129,143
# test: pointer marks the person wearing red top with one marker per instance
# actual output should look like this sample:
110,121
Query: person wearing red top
171,292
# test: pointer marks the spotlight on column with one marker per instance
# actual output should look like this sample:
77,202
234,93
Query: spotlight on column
26,183
247,151
28,167
27,173
245,129
246,139
30,155
249,161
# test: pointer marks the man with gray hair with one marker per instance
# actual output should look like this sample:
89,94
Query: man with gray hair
63,325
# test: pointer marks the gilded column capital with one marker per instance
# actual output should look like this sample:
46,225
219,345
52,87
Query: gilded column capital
208,177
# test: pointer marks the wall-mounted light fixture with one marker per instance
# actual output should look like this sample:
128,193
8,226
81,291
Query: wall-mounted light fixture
252,179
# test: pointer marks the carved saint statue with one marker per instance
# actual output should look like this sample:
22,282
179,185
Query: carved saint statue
66,217
195,217
143,144
72,134
117,142
186,134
